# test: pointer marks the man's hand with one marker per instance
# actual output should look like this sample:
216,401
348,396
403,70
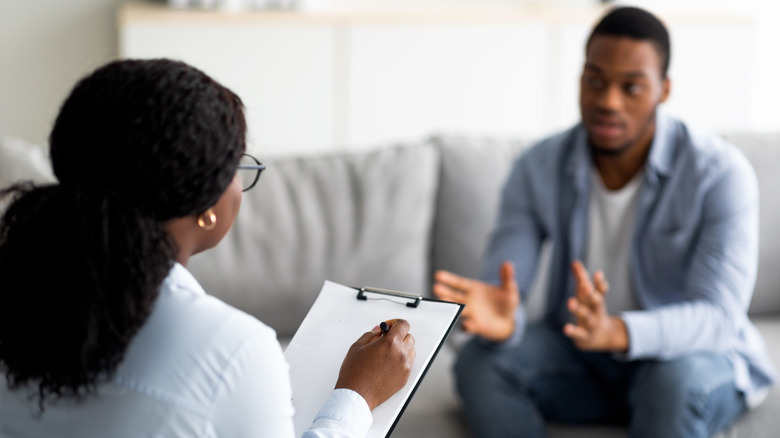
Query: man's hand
594,328
490,310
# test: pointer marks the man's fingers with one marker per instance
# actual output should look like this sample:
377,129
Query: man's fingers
453,281
584,285
467,312
576,333
600,282
507,275
583,315
592,300
446,293
469,325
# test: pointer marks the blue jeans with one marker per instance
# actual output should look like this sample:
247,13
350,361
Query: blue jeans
512,392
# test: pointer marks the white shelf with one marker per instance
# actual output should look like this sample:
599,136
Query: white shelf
135,11
548,12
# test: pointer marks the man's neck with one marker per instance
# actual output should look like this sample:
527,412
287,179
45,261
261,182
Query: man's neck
616,171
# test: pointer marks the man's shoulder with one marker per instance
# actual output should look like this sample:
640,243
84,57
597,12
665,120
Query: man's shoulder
705,149
699,161
701,140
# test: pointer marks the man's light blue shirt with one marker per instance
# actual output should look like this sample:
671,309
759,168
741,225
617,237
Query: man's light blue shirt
694,252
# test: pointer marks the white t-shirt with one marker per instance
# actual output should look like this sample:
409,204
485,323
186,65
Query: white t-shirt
197,368
612,215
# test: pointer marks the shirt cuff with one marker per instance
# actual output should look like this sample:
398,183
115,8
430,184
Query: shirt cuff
345,410
642,339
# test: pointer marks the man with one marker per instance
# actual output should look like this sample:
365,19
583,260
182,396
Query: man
668,216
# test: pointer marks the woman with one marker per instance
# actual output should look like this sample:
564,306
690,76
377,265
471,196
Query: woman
103,331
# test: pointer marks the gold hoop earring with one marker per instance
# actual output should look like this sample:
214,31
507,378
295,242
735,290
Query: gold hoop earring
207,220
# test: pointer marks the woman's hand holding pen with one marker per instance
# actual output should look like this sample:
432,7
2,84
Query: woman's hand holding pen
379,363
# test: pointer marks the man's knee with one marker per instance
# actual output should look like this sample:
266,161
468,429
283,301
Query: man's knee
694,396
667,382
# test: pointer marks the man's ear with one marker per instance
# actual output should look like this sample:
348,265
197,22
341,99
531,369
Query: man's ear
666,87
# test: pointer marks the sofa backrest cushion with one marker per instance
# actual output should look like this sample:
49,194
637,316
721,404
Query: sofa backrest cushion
356,218
763,152
23,161
473,171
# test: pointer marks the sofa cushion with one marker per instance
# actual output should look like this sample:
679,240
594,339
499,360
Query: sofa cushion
356,218
23,161
763,152
473,171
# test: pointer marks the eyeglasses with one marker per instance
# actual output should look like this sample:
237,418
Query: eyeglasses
249,170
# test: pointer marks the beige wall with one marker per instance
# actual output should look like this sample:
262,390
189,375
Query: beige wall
45,47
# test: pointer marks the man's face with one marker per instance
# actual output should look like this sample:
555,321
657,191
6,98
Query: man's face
621,87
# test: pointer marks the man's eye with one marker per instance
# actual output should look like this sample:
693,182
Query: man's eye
633,89
594,83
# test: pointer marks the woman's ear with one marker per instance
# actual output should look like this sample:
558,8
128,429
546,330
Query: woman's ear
207,220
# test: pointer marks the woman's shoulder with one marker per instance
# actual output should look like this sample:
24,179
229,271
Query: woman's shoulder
184,307
189,340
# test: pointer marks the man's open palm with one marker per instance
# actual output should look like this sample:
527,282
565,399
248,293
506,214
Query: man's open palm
490,309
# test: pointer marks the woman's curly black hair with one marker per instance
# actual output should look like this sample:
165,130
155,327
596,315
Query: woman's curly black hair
135,143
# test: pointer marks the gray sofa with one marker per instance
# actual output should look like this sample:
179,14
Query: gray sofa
388,217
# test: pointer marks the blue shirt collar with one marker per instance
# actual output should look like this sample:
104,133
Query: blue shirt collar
659,163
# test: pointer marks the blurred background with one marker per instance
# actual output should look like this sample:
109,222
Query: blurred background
322,75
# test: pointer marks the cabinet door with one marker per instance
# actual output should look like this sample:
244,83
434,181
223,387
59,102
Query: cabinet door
282,71
409,80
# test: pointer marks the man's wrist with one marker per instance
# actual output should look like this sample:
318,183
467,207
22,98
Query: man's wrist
505,332
620,342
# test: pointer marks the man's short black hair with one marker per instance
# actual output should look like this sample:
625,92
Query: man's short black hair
636,24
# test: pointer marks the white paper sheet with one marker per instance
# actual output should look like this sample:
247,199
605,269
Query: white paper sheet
336,320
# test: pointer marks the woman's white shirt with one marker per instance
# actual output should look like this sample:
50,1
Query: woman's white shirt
198,368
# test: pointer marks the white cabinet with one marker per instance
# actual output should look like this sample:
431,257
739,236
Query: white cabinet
282,72
347,79
409,80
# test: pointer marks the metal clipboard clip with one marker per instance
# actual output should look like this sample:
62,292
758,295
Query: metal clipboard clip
414,297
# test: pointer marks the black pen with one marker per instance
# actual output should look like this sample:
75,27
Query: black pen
384,327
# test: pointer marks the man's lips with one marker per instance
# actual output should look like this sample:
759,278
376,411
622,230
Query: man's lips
606,127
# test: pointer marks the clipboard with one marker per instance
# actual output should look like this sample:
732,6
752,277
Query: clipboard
339,316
